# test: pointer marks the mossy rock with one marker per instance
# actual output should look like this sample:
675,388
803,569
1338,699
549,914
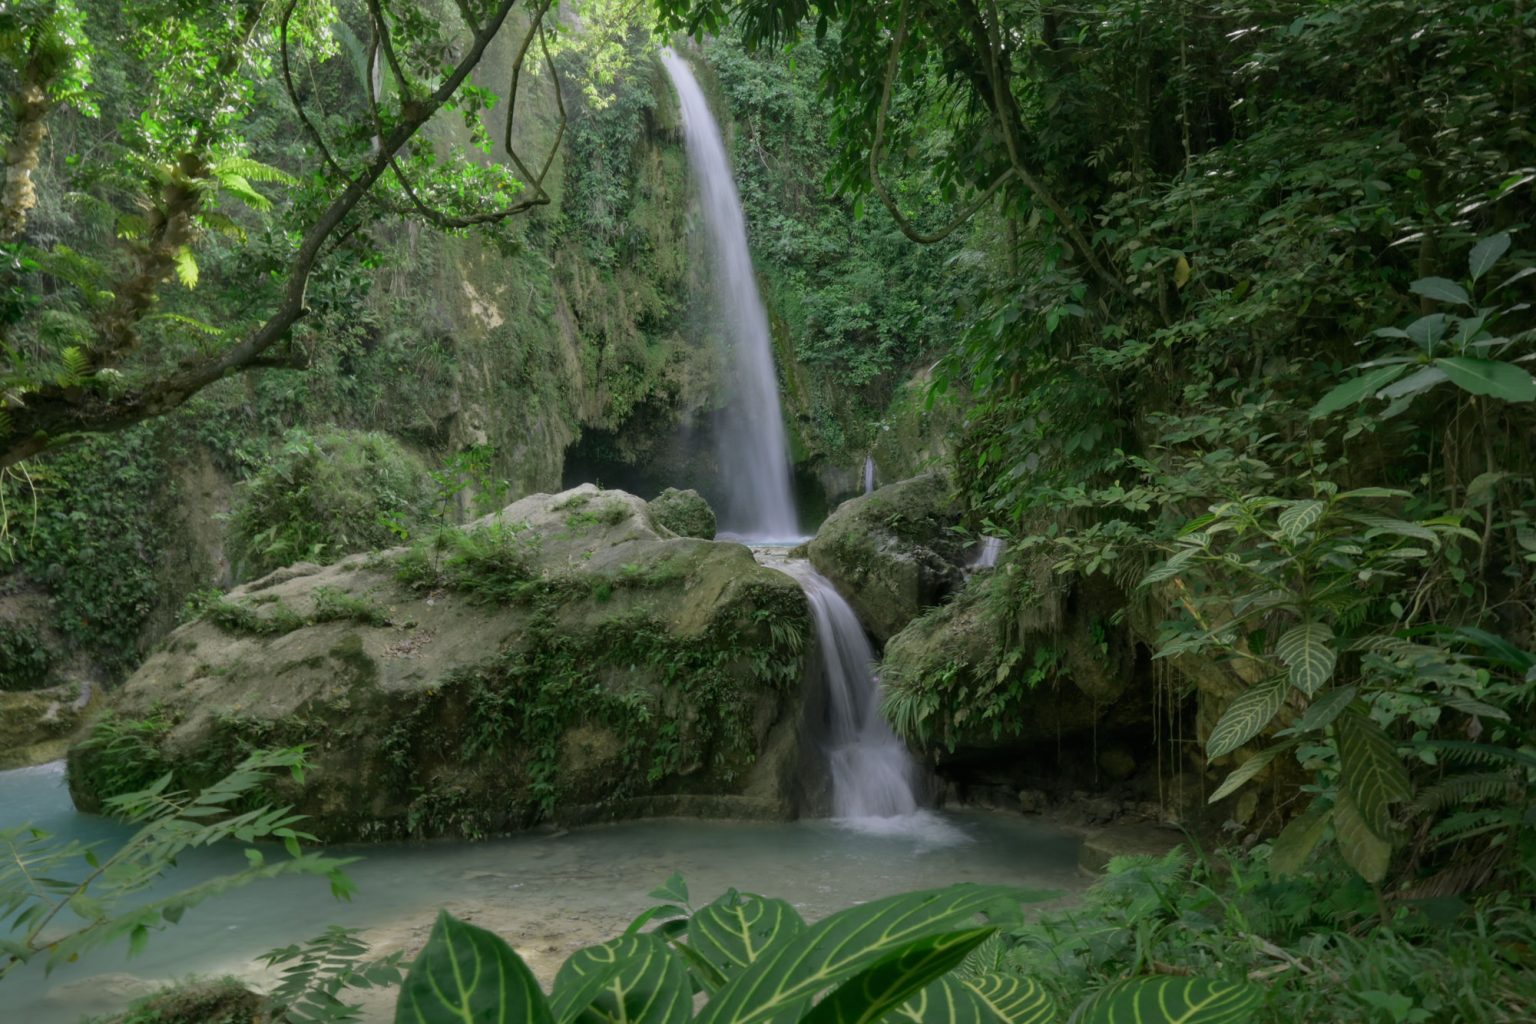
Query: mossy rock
893,552
227,1001
685,513
561,653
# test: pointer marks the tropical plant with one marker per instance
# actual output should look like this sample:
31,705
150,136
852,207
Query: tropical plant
1310,604
754,960
59,900
1459,348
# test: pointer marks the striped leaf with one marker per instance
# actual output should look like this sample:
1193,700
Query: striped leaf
987,999
1325,709
732,932
1173,1001
645,982
1309,655
1246,717
1299,517
779,985
1370,770
1297,840
1247,770
1174,565
875,991
466,973
1365,851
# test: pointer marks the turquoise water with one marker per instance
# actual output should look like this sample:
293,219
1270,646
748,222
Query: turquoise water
547,894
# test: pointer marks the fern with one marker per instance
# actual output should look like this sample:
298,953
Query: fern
255,170
1461,790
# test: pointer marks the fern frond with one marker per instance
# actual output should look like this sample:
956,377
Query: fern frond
1461,790
1467,752
239,187
255,170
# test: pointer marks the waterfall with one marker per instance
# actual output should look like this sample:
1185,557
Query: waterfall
753,450
869,473
873,773
987,555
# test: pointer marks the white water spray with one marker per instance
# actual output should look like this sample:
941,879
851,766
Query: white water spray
986,558
869,473
753,450
873,773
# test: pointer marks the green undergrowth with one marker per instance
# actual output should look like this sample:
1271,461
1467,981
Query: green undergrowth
274,618
1325,944
25,658
325,495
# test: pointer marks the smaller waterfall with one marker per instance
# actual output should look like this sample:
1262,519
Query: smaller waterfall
873,774
869,473
986,558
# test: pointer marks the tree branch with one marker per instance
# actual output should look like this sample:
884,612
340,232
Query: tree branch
52,412
893,64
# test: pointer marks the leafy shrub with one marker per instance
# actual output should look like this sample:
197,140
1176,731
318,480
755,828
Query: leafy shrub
24,658
325,496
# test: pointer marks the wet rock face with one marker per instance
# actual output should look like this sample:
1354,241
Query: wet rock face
685,513
892,553
562,659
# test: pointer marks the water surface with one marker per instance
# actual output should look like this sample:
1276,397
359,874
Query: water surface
547,894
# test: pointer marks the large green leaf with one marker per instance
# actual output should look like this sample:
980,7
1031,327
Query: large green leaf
734,930
1325,709
1414,383
1246,717
1309,655
875,991
1298,839
645,983
1486,253
1299,517
985,999
1247,770
779,985
1441,290
1490,377
1370,769
1365,851
1172,1001
1356,389
467,974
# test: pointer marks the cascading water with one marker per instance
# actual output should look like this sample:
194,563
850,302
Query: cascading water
869,473
753,450
873,774
986,557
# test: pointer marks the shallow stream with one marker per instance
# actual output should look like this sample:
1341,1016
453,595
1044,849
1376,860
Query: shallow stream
548,894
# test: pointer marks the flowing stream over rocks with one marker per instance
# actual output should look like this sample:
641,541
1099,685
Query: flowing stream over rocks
753,449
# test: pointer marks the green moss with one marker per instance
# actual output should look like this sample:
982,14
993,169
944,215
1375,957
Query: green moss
226,1001
671,703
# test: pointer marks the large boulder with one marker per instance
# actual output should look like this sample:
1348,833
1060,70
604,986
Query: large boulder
563,659
893,552
685,513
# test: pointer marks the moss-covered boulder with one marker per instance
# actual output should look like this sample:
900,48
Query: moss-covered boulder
37,726
563,659
685,513
893,552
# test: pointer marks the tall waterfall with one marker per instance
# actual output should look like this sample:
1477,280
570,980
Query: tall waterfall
753,451
872,771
